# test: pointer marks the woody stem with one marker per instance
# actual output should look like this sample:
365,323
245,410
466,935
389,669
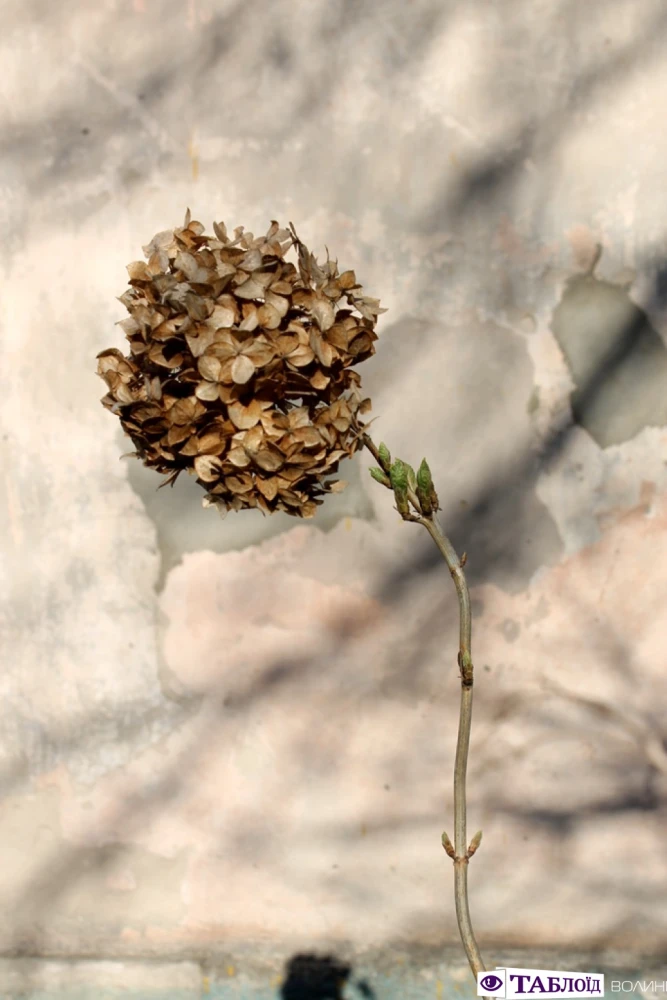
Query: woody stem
460,852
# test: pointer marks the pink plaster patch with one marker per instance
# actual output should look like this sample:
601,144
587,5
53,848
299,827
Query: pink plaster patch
317,768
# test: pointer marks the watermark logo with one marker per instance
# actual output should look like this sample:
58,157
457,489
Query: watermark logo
545,983
645,987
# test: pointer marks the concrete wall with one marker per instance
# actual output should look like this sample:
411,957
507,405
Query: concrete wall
219,733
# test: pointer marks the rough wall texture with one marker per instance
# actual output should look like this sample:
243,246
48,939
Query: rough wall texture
222,732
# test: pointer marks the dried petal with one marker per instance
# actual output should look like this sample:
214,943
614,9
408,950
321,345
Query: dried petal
220,231
268,317
347,280
189,265
206,467
251,261
138,271
245,416
319,380
198,343
208,391
267,487
239,458
270,459
250,289
337,485
210,367
277,302
322,350
242,369
250,319
224,314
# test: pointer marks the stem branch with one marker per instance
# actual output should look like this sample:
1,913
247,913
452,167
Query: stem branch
459,851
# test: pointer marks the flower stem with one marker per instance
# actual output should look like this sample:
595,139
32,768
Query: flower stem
462,855
460,852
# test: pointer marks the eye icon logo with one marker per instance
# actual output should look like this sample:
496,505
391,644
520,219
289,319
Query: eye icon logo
490,984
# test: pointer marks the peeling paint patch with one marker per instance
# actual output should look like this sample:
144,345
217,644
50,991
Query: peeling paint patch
616,358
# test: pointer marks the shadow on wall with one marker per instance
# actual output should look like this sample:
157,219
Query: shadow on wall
124,116
184,525
314,977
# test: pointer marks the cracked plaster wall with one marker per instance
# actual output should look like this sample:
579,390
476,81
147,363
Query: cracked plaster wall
216,733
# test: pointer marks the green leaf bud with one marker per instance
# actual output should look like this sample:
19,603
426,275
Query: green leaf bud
424,488
399,483
380,477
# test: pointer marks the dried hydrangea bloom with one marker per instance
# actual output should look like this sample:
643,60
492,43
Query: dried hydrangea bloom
240,366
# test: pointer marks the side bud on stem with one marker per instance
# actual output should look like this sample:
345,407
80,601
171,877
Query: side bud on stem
384,456
474,844
380,477
399,484
448,846
425,490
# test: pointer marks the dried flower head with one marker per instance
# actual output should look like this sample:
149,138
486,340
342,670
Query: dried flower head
240,366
